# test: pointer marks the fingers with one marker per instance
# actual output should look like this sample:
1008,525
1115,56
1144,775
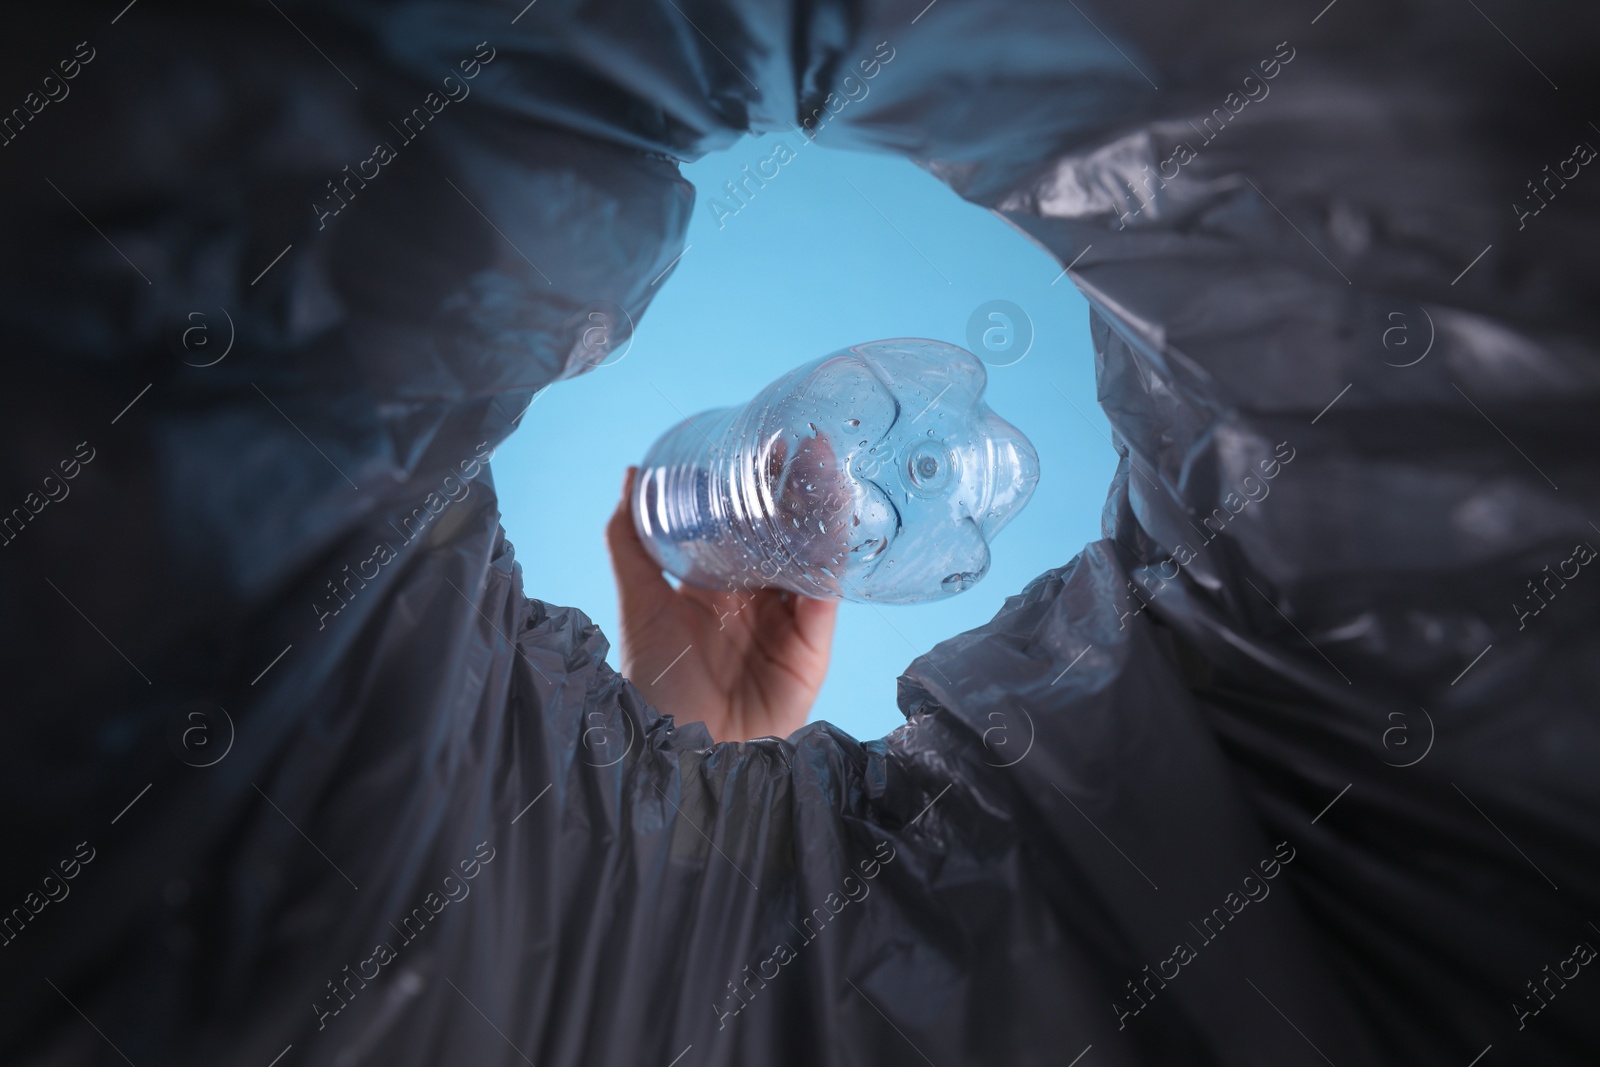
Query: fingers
641,589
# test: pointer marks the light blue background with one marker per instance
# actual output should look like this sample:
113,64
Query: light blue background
807,266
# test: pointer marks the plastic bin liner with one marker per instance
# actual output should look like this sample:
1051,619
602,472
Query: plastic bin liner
1295,766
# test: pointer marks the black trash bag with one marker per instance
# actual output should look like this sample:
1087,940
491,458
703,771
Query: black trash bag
1294,766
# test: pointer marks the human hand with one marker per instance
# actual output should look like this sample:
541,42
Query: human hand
746,664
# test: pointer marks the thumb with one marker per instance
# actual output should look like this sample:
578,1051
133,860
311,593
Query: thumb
641,589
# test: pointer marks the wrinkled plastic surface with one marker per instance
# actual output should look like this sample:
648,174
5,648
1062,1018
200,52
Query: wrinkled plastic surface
1294,736
883,455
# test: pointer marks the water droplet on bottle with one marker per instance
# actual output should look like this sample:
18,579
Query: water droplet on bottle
960,581
852,423
930,433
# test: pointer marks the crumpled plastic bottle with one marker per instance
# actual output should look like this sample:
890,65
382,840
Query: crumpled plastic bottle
875,474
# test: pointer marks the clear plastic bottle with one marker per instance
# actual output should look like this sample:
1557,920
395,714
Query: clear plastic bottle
876,474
